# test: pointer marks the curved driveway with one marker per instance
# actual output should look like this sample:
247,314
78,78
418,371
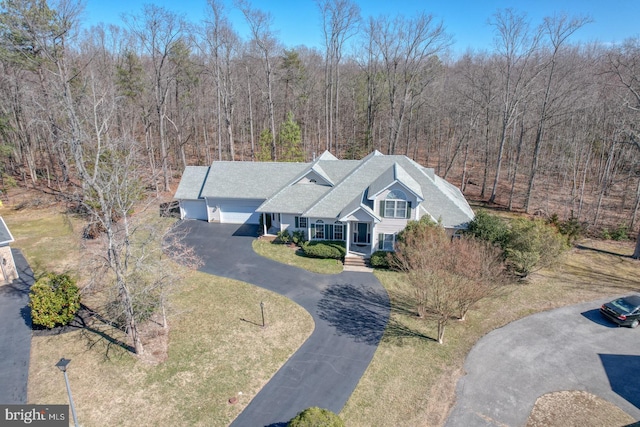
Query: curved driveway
571,348
350,311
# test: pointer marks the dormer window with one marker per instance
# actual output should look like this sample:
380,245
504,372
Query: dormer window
395,205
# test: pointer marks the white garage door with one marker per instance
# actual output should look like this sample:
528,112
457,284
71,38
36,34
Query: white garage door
194,209
240,212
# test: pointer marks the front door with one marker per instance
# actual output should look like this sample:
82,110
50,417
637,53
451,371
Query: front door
362,233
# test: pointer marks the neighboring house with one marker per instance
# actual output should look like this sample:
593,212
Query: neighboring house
7,265
362,202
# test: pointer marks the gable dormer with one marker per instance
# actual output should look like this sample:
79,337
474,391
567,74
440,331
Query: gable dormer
316,176
395,175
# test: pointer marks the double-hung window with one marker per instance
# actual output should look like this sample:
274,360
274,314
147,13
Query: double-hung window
395,205
386,241
301,222
322,231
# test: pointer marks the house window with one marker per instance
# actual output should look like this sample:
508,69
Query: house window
301,222
338,231
395,205
322,231
386,242
317,231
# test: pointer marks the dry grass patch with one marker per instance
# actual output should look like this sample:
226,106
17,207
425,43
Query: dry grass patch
412,379
576,409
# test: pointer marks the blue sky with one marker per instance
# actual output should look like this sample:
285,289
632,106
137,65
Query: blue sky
297,22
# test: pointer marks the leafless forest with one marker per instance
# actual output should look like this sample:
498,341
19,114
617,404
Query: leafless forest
539,123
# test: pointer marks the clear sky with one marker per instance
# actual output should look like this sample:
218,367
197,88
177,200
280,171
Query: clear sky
297,22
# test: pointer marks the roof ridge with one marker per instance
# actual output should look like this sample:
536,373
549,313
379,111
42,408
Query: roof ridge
364,161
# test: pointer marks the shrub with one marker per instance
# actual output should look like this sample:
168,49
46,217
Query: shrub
489,227
316,417
54,300
284,236
334,249
620,233
531,244
380,259
572,228
298,237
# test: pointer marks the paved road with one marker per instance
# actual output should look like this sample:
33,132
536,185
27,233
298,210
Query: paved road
572,348
15,334
350,311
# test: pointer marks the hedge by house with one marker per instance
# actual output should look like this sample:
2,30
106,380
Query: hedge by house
334,249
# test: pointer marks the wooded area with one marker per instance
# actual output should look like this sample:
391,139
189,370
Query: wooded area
539,124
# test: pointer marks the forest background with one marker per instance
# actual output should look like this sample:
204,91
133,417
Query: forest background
540,124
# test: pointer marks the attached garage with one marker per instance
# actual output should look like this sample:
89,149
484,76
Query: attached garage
240,211
194,209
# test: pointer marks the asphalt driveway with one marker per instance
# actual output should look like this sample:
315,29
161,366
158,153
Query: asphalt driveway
571,348
350,311
15,334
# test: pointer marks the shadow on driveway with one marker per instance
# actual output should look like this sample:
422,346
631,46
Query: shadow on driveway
622,371
596,317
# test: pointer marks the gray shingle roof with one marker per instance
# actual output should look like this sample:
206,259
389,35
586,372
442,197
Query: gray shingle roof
192,182
353,180
5,234
249,180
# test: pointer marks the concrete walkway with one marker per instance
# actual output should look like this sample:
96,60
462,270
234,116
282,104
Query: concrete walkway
15,334
571,348
350,311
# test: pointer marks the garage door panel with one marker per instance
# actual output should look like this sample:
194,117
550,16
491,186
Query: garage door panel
194,209
240,212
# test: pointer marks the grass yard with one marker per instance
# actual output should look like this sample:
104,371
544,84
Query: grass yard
293,256
217,348
411,380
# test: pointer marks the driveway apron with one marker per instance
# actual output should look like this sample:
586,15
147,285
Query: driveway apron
15,334
571,348
350,311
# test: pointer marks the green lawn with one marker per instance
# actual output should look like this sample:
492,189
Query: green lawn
293,256
217,349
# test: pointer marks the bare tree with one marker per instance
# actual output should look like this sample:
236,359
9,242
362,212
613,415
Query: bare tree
558,29
263,38
158,30
448,277
339,23
516,44
408,48
625,65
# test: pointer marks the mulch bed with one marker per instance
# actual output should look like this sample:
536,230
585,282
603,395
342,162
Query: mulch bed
83,318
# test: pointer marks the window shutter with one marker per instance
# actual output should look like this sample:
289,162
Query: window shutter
297,222
380,241
382,208
408,210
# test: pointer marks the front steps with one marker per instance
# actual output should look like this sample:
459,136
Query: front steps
356,263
